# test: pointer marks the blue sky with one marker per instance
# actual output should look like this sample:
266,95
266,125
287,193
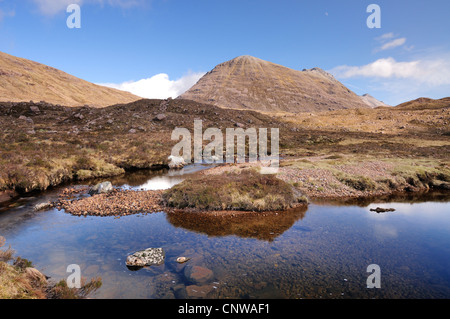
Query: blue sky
159,48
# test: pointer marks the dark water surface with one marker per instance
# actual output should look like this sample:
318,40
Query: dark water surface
319,252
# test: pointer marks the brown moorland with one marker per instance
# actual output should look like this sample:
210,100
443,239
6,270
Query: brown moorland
357,152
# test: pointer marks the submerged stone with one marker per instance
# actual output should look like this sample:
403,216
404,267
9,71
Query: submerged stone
197,274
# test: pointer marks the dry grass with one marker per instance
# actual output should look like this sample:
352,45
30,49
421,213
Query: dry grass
65,147
19,280
341,176
382,120
15,282
59,146
245,190
25,80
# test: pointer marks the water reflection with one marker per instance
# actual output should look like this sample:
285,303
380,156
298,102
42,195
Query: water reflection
154,179
262,226
400,197
323,253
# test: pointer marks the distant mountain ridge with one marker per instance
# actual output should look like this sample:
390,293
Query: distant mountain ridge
371,101
425,103
22,80
247,82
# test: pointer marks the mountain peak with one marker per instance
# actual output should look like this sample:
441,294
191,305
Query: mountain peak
371,101
246,58
243,59
319,71
247,82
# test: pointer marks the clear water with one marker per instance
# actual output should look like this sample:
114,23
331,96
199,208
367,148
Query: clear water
321,252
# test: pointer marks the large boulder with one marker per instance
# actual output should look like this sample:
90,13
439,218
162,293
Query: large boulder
101,188
147,257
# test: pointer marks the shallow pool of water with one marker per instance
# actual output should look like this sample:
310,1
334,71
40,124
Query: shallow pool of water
319,252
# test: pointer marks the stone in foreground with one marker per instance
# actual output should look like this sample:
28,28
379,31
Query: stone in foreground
147,257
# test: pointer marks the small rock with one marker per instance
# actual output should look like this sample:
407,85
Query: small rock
181,260
239,125
160,117
42,206
35,109
382,210
132,131
27,119
101,188
147,257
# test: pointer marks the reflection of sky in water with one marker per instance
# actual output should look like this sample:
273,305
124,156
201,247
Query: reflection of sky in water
171,178
309,258
161,183
424,216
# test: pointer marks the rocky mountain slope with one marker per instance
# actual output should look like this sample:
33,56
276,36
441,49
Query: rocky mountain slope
371,101
247,82
22,80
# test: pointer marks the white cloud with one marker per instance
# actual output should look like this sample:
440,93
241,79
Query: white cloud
395,82
393,44
427,71
158,86
385,36
389,41
52,7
